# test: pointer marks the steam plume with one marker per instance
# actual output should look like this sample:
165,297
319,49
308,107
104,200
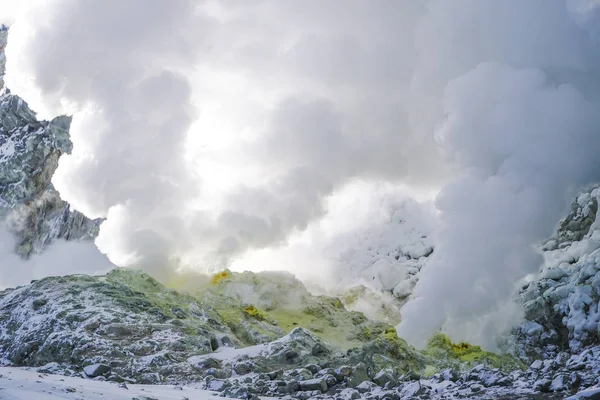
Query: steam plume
206,130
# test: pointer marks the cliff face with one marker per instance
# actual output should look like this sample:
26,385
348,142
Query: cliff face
29,154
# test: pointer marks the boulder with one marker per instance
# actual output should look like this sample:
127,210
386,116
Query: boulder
95,370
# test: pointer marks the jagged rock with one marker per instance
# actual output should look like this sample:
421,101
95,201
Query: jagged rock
560,383
29,154
384,377
561,307
3,41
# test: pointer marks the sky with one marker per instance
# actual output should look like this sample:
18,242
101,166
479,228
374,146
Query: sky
215,134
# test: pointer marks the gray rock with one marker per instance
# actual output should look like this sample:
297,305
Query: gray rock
412,390
542,385
95,370
242,368
358,376
365,387
29,154
343,372
314,384
384,377
313,368
349,394
51,368
476,388
561,382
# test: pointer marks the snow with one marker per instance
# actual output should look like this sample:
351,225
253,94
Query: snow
593,393
7,149
230,353
26,384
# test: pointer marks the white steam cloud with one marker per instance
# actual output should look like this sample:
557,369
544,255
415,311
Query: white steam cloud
523,135
61,258
204,130
133,90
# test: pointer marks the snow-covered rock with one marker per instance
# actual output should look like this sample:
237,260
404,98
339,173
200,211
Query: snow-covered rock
29,153
561,307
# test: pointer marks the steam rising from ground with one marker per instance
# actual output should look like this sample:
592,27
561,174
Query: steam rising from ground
207,131
62,258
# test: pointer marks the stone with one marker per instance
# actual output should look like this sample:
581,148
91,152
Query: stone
536,365
412,389
314,384
358,376
365,387
542,385
242,368
50,368
343,372
96,370
313,368
561,382
349,394
384,377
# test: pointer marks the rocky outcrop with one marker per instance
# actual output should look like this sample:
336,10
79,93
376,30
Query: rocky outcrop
561,307
29,154
124,320
3,40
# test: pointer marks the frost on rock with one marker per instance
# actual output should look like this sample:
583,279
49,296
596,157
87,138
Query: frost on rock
124,320
3,40
29,154
379,263
561,307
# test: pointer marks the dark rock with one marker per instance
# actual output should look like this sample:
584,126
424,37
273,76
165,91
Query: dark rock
542,385
319,350
365,387
342,372
314,384
242,368
39,303
313,368
384,377
358,376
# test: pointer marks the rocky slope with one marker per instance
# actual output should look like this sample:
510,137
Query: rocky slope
127,327
247,335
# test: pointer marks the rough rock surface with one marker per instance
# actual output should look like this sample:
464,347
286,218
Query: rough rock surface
3,40
561,307
125,320
127,327
29,153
